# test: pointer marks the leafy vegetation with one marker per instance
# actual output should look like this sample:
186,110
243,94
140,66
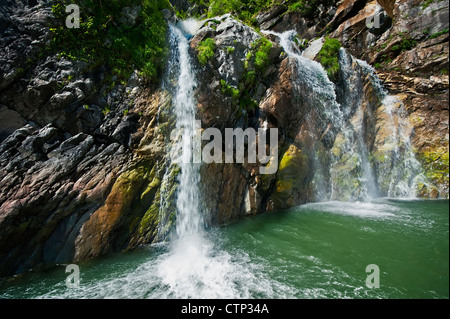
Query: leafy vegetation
104,38
406,44
438,34
206,50
328,56
426,3
261,55
231,91
247,10
307,7
256,61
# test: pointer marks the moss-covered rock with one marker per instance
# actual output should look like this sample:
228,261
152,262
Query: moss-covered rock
134,207
292,187
436,166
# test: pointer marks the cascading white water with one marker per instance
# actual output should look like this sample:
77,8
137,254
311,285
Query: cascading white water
189,221
359,173
359,177
195,267
313,75
402,172
275,258
322,93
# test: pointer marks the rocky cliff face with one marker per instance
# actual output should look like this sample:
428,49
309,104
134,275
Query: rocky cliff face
410,51
85,165
82,160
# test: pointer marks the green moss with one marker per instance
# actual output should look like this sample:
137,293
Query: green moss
329,57
438,34
436,165
338,144
150,221
292,163
284,186
206,50
154,184
288,158
292,182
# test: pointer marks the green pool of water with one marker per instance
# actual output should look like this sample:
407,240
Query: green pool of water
314,251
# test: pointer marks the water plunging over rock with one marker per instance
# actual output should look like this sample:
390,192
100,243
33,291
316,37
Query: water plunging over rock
359,165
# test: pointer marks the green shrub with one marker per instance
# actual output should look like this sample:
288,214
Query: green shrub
230,50
206,50
297,6
259,54
307,7
438,34
250,77
262,55
329,56
426,3
407,44
245,10
231,91
102,39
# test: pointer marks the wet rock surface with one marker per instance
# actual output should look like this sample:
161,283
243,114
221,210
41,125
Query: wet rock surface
85,167
69,138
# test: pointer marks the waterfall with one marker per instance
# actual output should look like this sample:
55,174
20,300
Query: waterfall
182,269
313,75
398,169
189,221
353,176
357,172
313,80
180,82
195,266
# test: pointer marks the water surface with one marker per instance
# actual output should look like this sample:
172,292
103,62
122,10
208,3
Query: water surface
317,250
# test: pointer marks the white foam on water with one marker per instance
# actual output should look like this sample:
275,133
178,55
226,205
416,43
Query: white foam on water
358,209
200,271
